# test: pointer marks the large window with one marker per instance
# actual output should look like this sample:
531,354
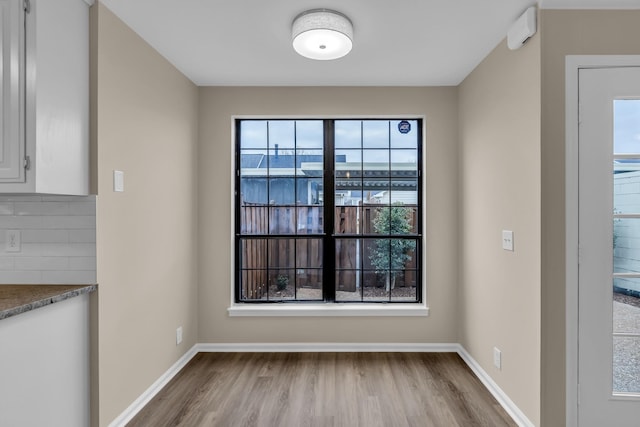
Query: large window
328,211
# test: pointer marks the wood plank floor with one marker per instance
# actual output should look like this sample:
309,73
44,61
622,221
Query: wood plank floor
324,389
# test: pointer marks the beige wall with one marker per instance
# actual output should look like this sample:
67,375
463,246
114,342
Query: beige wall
218,105
145,115
500,190
507,172
565,33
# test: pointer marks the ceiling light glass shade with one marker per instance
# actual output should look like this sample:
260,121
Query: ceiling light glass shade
322,34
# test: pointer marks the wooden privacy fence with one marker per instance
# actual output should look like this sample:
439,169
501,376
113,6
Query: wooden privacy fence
299,257
266,219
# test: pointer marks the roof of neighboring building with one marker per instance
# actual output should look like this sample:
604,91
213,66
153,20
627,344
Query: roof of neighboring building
282,161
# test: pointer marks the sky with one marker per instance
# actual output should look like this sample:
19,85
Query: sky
626,126
375,137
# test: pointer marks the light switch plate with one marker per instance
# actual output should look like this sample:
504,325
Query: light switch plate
118,181
507,240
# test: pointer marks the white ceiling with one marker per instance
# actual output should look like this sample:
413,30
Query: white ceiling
396,43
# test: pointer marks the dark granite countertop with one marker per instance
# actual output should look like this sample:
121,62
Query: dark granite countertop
16,299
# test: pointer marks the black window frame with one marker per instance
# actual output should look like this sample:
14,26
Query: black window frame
329,237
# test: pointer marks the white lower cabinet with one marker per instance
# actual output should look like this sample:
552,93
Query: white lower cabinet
44,366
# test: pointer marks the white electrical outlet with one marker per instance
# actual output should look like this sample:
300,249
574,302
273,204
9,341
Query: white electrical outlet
497,358
179,335
13,242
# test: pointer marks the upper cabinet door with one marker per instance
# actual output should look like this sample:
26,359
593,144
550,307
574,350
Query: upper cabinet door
12,142
44,83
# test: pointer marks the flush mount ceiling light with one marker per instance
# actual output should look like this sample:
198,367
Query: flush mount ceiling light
322,34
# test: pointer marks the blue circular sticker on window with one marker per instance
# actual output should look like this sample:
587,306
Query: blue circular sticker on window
404,127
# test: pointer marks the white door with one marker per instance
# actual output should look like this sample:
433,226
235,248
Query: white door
609,242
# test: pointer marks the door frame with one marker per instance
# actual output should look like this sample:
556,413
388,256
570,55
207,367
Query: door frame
573,64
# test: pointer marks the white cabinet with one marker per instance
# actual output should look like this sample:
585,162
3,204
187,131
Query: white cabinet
12,152
44,366
52,154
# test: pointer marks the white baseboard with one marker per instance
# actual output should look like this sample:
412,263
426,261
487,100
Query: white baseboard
518,416
328,347
504,400
155,388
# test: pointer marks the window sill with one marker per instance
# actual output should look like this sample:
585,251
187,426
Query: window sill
327,310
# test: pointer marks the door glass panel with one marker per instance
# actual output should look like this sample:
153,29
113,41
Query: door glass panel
626,126
626,176
626,247
626,308
626,364
626,244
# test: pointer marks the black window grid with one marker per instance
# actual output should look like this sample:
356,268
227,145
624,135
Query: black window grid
328,237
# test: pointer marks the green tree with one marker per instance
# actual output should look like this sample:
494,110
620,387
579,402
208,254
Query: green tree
389,256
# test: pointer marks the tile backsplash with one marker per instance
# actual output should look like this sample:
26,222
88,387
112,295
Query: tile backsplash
58,239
